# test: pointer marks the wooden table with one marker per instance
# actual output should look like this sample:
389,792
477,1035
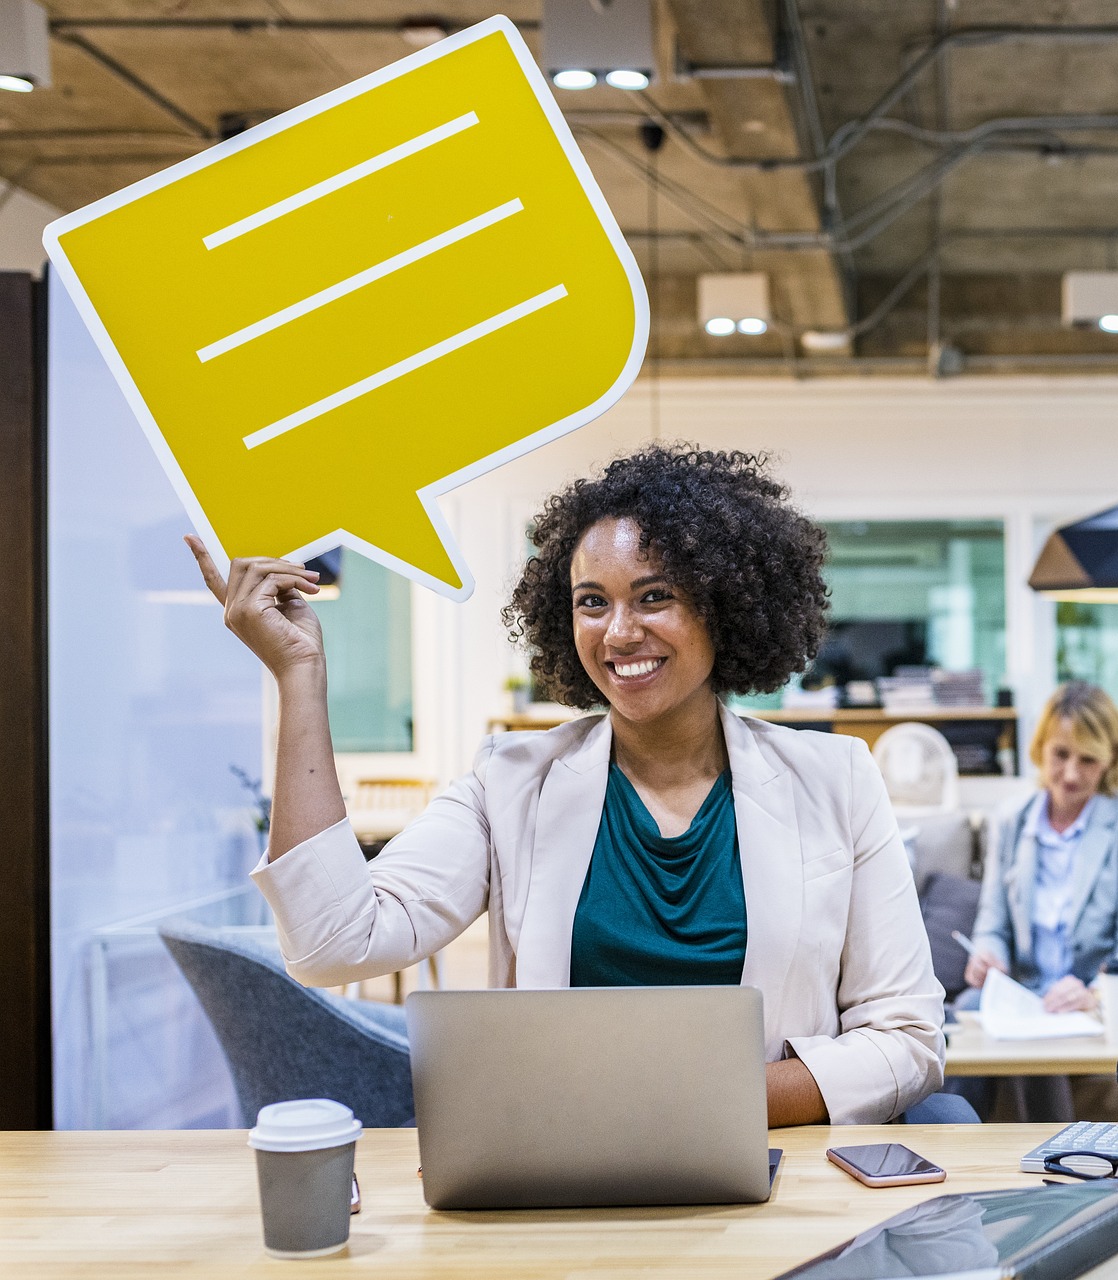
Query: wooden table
971,1052
104,1205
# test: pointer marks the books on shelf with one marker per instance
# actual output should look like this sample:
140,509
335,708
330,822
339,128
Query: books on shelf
922,689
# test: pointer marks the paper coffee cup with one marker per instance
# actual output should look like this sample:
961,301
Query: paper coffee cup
304,1161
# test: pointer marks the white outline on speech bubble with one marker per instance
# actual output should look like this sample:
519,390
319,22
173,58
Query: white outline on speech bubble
429,495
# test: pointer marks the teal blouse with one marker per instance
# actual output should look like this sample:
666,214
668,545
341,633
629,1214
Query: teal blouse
657,911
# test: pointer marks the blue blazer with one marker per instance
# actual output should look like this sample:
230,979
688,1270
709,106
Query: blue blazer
1004,925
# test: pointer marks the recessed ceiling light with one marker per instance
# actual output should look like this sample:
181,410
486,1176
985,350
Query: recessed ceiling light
825,340
1109,324
574,79
623,79
743,295
16,84
421,32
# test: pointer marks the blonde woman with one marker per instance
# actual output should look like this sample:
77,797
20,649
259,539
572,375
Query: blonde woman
1049,909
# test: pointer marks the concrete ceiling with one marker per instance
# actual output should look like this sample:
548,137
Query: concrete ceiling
921,173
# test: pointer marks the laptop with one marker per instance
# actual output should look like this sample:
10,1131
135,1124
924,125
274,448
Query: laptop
590,1096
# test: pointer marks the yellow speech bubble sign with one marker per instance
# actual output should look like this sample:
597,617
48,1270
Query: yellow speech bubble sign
333,318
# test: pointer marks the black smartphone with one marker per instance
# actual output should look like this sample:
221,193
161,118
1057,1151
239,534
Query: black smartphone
885,1164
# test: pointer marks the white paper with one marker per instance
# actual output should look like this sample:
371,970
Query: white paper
1010,1011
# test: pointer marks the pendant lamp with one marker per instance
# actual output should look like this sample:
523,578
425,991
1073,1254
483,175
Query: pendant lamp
1080,561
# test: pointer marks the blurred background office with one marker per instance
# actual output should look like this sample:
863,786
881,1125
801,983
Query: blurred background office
879,241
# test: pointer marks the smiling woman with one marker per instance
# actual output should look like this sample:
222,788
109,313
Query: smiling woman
721,529
666,842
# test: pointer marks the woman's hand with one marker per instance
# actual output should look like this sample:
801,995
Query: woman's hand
264,607
979,965
1070,995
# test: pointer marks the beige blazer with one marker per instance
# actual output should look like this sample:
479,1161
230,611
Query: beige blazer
836,943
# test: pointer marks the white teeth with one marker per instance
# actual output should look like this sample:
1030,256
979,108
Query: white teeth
630,669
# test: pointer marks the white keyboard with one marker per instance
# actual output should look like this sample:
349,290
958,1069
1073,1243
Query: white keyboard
1084,1135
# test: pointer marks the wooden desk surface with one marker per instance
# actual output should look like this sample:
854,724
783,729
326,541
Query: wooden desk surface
104,1205
971,1052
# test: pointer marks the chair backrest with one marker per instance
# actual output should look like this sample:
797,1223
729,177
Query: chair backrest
948,903
283,1040
919,767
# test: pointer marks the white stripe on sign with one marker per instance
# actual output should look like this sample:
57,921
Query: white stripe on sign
358,281
394,371
339,180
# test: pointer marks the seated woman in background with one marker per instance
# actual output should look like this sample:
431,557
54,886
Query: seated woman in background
667,841
1048,915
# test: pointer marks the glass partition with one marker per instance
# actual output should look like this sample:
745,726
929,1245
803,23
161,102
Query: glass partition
1087,644
907,592
153,704
367,633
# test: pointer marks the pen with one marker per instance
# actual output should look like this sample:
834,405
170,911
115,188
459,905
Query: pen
964,942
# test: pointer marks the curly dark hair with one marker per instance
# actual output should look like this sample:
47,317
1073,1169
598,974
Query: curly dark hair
727,538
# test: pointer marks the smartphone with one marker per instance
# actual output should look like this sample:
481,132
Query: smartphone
885,1164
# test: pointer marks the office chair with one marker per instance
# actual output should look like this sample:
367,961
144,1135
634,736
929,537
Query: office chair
283,1040
919,768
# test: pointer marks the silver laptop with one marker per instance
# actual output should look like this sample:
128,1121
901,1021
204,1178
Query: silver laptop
590,1096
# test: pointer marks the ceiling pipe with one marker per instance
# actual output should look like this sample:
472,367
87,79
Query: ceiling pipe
278,23
905,195
194,127
847,136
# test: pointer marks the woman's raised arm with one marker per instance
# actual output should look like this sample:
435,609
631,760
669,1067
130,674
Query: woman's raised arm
265,609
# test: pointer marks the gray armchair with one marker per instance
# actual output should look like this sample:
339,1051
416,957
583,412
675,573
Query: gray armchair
283,1040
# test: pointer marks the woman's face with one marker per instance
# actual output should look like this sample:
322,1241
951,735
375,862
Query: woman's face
1070,773
640,640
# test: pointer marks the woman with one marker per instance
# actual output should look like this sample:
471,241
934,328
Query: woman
641,846
1049,909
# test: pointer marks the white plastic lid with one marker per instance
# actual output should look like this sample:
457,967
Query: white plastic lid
305,1124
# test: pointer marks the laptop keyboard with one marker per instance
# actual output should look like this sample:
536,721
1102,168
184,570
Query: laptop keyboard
1084,1135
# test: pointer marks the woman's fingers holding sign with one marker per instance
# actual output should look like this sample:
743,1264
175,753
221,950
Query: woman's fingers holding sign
264,606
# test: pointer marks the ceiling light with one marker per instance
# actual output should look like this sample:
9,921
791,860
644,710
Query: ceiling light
1109,324
720,326
825,341
1080,560
420,33
24,46
622,79
737,299
572,79
609,40
1088,298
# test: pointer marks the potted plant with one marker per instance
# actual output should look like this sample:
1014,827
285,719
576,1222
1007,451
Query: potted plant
519,690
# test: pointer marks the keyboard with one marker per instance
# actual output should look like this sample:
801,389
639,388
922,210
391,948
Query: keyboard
1084,1135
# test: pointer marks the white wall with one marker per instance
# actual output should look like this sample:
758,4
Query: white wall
22,219
1032,452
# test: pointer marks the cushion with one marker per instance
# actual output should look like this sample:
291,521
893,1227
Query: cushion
949,902
944,843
